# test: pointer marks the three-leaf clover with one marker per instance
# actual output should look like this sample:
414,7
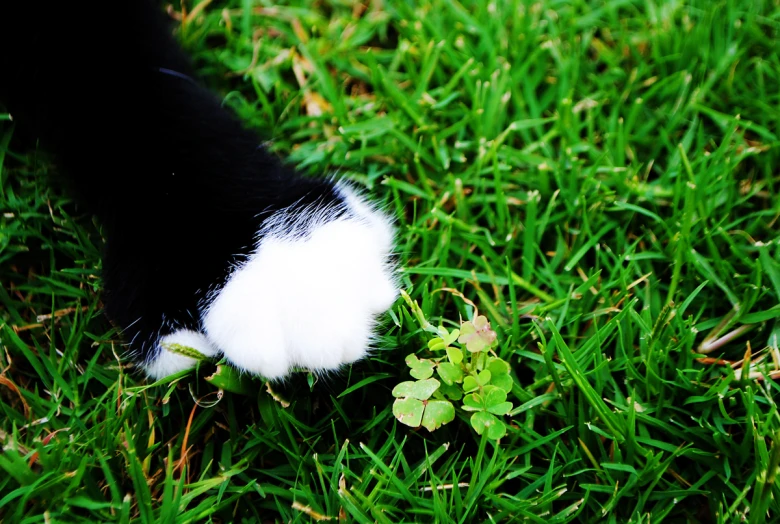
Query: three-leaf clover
414,408
472,383
488,403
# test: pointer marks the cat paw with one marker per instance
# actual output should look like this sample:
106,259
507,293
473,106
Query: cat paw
310,293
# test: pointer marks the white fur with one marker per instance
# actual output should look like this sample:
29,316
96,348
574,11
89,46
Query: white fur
309,295
167,363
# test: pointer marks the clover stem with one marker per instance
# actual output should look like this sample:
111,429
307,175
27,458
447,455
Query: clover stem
472,367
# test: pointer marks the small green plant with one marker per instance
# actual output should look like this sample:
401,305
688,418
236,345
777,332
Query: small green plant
466,372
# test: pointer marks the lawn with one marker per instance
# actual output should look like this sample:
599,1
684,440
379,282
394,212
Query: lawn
599,179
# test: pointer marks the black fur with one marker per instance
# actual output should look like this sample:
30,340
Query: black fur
179,185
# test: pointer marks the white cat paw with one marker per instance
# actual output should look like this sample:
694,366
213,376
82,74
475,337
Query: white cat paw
310,294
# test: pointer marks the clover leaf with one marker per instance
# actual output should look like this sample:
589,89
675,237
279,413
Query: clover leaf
409,411
472,383
444,339
485,422
454,355
473,402
499,374
421,368
418,389
477,335
490,402
451,391
495,401
437,413
450,373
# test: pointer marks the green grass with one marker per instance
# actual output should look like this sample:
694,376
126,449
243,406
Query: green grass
599,177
